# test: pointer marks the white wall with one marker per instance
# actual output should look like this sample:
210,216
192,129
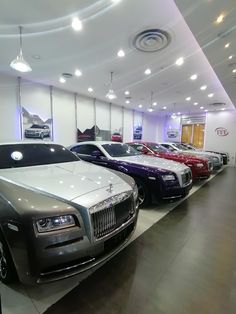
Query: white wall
116,119
64,119
9,110
128,125
227,120
85,113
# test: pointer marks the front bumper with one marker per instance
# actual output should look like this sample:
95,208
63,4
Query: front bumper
164,191
65,253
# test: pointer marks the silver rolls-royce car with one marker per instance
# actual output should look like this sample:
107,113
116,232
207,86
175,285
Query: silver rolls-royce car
59,215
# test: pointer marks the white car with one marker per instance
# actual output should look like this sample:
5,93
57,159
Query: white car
216,159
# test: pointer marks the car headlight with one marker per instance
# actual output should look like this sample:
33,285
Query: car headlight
55,223
168,177
135,192
199,165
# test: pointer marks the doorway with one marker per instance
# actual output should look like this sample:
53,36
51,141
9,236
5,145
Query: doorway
193,134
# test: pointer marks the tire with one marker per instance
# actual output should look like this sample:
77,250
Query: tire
41,136
8,273
144,197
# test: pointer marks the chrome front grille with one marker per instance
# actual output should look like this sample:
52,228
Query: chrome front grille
104,222
186,177
107,220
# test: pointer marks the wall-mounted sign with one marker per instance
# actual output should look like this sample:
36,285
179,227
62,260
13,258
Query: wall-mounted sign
173,133
138,132
221,131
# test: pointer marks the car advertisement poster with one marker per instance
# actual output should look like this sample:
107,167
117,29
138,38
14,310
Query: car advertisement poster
138,132
35,127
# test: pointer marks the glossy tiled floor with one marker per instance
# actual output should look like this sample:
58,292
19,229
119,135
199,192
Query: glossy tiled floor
135,275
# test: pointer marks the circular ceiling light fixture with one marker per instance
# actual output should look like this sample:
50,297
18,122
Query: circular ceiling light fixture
76,24
78,73
234,71
193,77
227,45
196,103
90,89
140,106
127,102
220,19
62,80
151,40
148,72
201,108
179,61
203,87
154,104
230,57
150,109
164,108
121,53
188,98
210,95
127,93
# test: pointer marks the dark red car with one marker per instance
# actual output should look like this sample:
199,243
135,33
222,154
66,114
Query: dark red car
201,168
116,137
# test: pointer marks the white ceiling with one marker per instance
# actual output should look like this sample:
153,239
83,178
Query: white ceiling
107,27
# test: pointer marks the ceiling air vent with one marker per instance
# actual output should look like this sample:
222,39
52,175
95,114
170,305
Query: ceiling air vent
218,104
67,75
151,40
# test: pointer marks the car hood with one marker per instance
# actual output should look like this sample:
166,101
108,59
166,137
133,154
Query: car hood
65,180
201,154
154,162
181,157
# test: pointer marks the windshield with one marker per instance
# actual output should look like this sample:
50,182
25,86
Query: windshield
120,150
180,146
157,148
37,126
24,155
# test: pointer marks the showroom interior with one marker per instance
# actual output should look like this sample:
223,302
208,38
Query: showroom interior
112,72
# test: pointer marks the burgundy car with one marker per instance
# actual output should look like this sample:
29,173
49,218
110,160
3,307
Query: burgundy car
201,168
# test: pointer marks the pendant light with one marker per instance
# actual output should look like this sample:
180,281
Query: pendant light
111,94
150,109
19,64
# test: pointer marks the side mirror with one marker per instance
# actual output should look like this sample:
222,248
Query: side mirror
96,153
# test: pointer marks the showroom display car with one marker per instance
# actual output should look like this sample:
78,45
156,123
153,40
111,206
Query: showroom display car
154,176
59,215
38,131
216,159
224,155
201,168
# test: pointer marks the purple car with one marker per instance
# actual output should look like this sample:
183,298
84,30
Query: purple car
155,177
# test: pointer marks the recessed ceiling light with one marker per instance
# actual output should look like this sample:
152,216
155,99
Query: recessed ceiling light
78,72
188,98
220,19
148,72
155,103
90,89
115,1
193,77
222,109
127,92
210,95
179,113
234,71
230,57
140,106
164,108
227,45
206,110
201,108
127,102
62,80
196,103
179,61
203,87
121,53
150,109
76,24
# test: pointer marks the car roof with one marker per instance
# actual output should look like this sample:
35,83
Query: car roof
98,142
27,142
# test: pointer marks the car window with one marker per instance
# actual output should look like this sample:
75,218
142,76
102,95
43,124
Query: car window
180,146
24,155
85,149
138,147
157,148
120,150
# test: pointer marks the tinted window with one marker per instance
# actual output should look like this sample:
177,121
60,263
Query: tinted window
138,147
180,146
85,149
120,150
37,126
23,155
